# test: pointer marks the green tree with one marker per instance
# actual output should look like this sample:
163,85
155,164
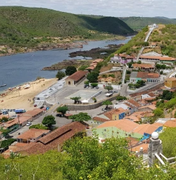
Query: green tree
5,132
49,121
109,88
6,143
83,67
62,109
120,98
76,99
107,103
158,112
60,74
4,119
80,117
38,126
70,70
93,77
86,82
94,84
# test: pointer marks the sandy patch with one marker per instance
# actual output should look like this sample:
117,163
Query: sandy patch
23,98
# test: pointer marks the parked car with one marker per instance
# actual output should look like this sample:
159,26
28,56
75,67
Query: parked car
28,124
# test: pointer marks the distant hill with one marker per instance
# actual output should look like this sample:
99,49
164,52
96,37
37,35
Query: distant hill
138,23
162,40
20,25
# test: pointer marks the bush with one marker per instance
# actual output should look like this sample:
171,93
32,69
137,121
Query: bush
60,75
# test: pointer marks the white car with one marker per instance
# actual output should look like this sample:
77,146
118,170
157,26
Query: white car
28,124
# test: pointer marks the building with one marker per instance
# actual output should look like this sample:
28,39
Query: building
145,76
163,59
122,58
170,82
51,141
76,78
32,135
144,67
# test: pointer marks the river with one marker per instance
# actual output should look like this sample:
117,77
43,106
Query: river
20,68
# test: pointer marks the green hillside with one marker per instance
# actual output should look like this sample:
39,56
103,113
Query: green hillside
138,23
164,37
19,26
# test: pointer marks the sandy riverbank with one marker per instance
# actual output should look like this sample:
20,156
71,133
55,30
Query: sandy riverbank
23,98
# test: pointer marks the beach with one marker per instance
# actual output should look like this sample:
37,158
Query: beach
21,97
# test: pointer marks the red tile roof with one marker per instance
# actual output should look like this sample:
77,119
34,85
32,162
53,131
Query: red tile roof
33,134
78,75
161,58
170,123
147,75
143,66
133,102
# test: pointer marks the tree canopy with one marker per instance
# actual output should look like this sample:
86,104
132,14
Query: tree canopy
109,87
60,75
70,70
49,121
76,99
62,109
80,117
38,126
107,103
93,77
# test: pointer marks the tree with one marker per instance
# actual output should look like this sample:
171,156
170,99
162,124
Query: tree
80,117
38,126
94,84
62,109
49,121
158,112
60,75
109,88
86,82
120,98
70,70
76,99
93,77
4,119
5,132
107,103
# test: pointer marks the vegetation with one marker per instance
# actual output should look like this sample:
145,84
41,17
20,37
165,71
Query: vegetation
83,67
70,70
6,143
93,77
140,83
60,75
49,121
169,142
5,132
109,88
76,99
120,98
107,103
62,109
158,112
80,117
84,158
30,27
138,23
38,126
4,119
94,84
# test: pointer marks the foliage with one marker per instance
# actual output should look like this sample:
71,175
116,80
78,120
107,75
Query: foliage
140,83
4,119
84,158
104,76
76,99
49,121
6,143
128,72
80,117
38,126
169,142
60,75
111,75
70,70
5,132
166,95
94,99
62,109
158,112
109,88
94,84
120,98
83,67
86,82
107,103
93,77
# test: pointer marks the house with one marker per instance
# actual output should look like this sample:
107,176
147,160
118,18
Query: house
170,123
122,58
163,59
144,67
108,80
94,64
115,114
32,135
145,76
148,108
126,128
53,140
170,82
76,78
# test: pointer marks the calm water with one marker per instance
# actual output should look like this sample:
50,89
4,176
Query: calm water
21,68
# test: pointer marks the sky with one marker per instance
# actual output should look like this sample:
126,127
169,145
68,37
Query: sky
116,8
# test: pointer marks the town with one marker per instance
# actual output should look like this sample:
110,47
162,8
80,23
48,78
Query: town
122,99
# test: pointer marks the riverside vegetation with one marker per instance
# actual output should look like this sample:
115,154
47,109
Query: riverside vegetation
23,29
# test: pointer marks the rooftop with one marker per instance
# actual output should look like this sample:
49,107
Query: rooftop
78,75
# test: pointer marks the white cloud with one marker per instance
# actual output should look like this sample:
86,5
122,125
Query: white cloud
118,8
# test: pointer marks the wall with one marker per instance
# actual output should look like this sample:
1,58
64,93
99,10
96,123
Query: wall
74,107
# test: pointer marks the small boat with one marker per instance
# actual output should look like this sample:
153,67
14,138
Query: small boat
3,85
